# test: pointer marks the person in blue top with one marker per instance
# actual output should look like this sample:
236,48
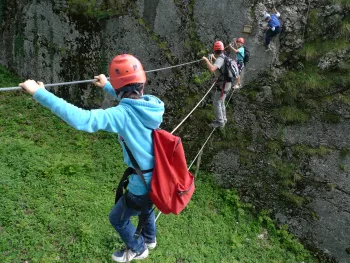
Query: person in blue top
239,50
133,120
273,27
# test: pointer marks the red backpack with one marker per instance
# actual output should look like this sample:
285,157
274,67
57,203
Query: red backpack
172,185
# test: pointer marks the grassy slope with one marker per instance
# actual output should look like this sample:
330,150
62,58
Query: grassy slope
56,190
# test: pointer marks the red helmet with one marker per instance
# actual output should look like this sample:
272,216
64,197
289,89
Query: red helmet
218,45
126,69
240,40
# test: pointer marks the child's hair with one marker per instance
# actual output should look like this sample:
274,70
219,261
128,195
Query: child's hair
218,52
133,90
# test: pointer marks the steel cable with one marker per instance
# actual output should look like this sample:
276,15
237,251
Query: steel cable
93,80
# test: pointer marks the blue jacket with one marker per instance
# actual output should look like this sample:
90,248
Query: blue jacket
274,22
132,119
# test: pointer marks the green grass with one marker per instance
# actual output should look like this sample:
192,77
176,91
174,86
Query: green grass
57,188
299,93
289,115
201,78
320,47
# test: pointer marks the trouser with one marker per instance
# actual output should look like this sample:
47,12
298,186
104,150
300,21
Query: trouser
219,101
120,219
240,65
270,34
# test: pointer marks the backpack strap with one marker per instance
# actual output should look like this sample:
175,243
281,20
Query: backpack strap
123,184
222,69
142,220
137,168
143,216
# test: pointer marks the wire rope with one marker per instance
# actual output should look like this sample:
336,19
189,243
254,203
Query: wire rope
93,80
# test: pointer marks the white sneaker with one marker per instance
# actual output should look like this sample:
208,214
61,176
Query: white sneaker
124,254
151,245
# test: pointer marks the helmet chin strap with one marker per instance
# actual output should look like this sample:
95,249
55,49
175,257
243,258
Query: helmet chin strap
143,86
120,95
140,92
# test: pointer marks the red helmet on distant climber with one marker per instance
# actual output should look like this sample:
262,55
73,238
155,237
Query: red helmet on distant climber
218,45
125,69
240,40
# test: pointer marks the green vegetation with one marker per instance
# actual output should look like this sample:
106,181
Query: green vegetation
317,48
6,78
57,187
290,115
193,43
303,92
201,78
343,167
345,28
344,153
331,118
294,199
303,150
344,3
308,87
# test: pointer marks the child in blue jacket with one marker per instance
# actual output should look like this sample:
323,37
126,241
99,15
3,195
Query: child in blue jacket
133,120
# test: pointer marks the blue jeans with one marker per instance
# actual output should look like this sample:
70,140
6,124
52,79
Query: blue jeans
270,34
120,220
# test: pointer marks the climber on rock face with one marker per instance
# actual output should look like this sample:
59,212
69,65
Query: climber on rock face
222,86
239,50
273,27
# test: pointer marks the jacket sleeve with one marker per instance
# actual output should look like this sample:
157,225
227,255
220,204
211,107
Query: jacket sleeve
111,119
108,88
